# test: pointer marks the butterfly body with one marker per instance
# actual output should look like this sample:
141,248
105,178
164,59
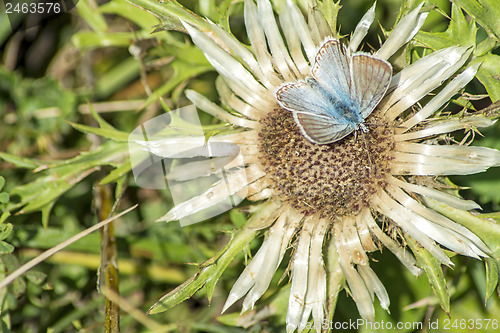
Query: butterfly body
342,91
341,107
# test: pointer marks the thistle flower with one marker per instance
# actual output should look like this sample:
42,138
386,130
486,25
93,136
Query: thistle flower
345,199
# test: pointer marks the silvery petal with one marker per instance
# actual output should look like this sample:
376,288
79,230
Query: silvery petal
362,28
403,32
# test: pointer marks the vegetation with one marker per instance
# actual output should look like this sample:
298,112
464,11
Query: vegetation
72,89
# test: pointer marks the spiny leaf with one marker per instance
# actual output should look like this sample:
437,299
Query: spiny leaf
459,32
172,11
489,74
112,133
237,244
434,272
214,267
486,12
486,227
207,276
61,177
330,10
182,292
104,129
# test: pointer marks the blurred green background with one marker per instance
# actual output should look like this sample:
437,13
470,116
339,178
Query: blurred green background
62,168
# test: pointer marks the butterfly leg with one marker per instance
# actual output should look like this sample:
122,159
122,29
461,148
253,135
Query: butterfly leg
363,127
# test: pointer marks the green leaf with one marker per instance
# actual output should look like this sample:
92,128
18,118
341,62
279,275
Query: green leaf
104,130
234,319
112,134
209,275
222,14
4,216
214,267
59,178
237,217
52,236
486,227
486,46
4,197
92,16
41,107
6,248
484,186
237,244
182,292
5,230
172,11
32,98
489,74
459,32
44,190
46,213
485,12
117,77
36,277
330,10
92,40
18,161
434,272
492,277
116,173
130,12
10,263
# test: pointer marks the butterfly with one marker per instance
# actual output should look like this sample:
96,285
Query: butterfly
342,91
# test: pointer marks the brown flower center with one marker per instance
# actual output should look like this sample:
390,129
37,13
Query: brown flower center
333,179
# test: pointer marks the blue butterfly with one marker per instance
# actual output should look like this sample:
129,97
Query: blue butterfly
343,90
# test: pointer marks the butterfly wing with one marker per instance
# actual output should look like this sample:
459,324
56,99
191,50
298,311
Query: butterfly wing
331,69
370,77
312,111
342,92
359,81
301,97
320,130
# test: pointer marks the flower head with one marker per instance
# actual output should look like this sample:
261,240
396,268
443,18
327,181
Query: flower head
339,200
